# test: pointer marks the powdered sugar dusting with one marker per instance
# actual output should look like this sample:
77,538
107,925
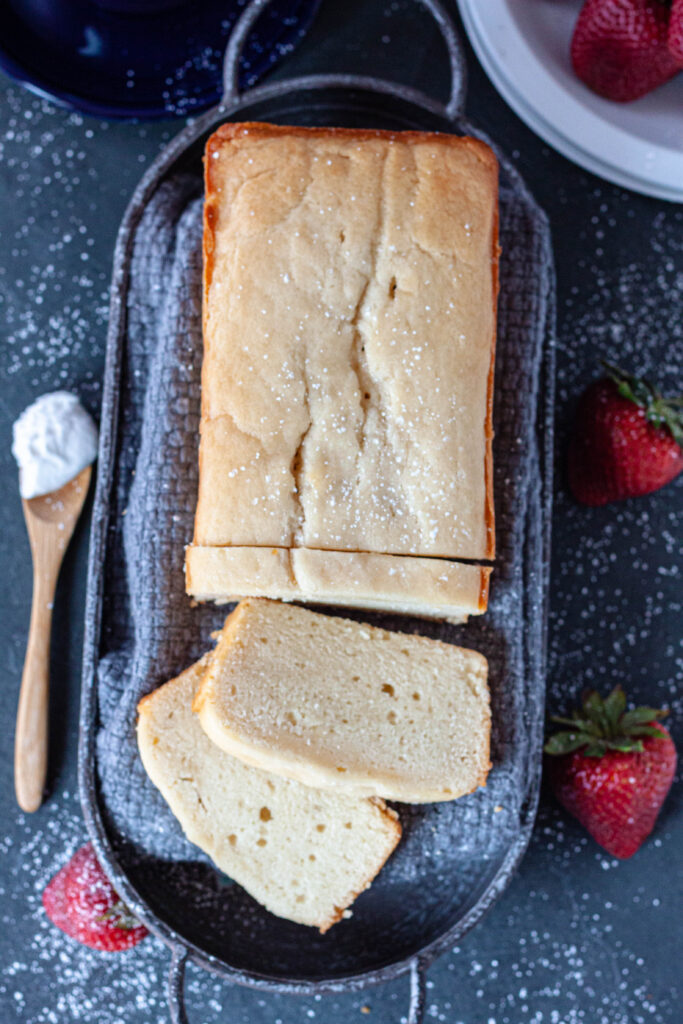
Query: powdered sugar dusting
56,266
558,947
634,318
51,979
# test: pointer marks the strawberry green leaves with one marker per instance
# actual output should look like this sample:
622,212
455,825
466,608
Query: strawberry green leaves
659,411
602,725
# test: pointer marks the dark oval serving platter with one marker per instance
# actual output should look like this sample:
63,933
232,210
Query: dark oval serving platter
431,896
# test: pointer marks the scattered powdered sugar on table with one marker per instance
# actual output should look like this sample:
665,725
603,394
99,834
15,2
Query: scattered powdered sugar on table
54,316
53,980
77,302
513,969
633,317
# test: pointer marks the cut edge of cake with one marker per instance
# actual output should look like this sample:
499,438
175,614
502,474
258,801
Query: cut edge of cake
271,706
423,587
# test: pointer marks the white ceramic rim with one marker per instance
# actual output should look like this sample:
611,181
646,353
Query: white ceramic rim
535,95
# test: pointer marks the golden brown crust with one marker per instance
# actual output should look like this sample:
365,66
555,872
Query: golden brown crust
484,588
233,133
490,510
236,129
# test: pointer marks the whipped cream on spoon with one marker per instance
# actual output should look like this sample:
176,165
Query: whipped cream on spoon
55,442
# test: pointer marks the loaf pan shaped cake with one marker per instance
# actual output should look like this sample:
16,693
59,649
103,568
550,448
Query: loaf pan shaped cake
303,854
350,282
345,707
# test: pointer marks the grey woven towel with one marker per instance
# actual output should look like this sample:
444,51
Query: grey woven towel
150,630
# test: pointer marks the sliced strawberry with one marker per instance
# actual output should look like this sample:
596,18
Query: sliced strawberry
81,901
612,769
626,440
619,47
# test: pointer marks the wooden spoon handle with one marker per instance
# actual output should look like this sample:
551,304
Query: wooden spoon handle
30,742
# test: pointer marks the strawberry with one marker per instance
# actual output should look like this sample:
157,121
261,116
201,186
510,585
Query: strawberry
81,901
612,769
626,441
675,36
619,47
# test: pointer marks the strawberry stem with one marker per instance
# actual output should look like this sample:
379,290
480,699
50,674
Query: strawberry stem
120,916
602,725
662,412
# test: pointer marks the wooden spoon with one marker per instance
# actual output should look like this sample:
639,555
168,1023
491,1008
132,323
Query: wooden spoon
50,521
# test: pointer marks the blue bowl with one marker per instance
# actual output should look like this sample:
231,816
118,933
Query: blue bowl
139,58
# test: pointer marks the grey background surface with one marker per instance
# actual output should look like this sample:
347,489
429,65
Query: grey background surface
578,936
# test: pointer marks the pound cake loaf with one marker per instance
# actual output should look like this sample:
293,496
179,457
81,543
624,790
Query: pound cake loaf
345,707
350,283
303,854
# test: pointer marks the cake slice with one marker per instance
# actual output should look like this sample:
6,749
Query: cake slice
425,587
303,854
346,707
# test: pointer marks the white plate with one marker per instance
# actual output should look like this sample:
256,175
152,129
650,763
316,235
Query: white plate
524,48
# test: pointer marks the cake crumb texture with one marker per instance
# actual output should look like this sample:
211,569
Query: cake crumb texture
346,707
303,854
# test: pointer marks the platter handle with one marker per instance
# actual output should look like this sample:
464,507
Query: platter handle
418,990
176,986
253,11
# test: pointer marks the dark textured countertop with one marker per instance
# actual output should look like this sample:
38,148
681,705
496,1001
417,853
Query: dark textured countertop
578,936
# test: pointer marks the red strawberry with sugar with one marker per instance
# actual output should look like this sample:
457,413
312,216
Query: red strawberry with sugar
612,769
619,47
675,36
81,901
627,440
